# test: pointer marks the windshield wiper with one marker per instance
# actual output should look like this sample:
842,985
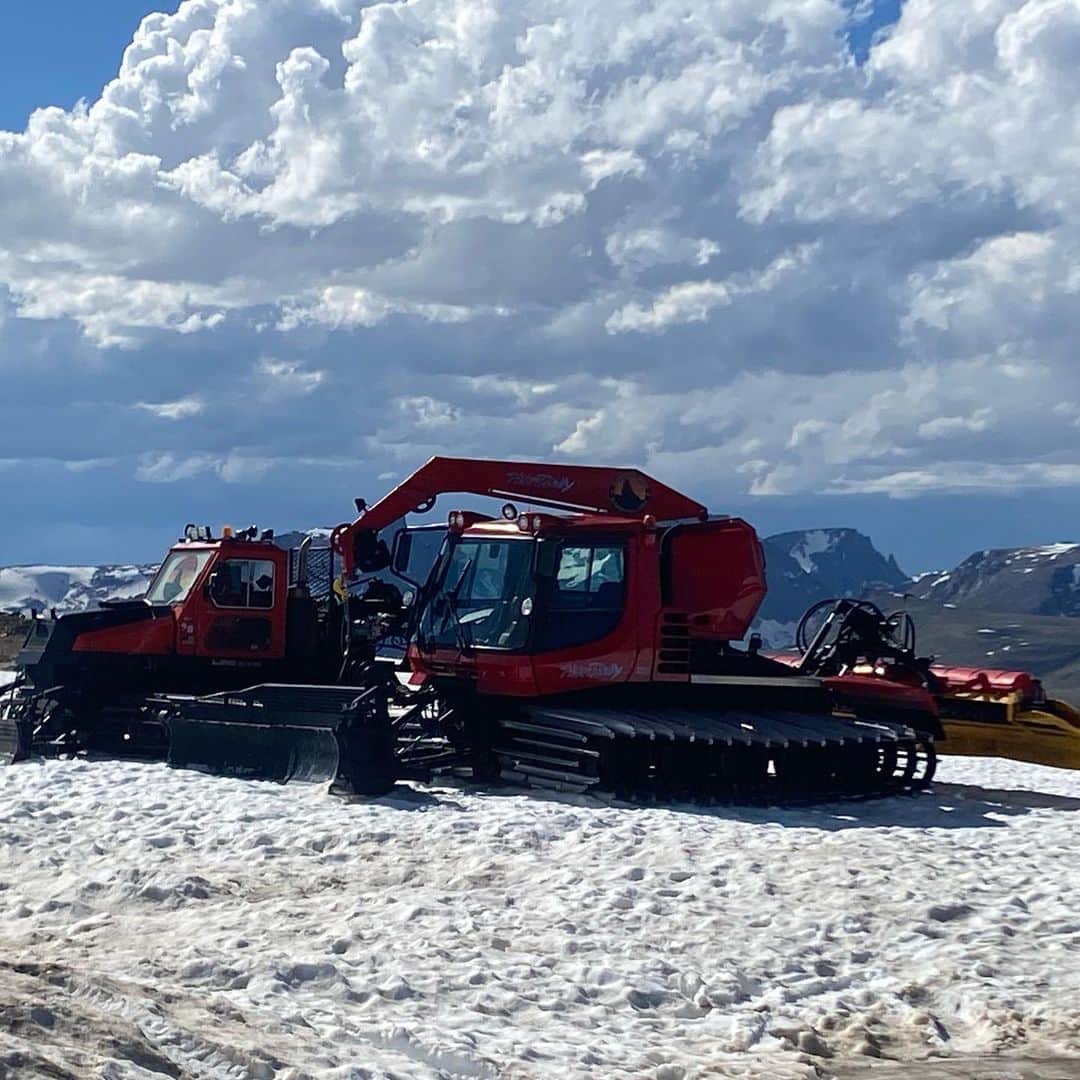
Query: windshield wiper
451,602
455,592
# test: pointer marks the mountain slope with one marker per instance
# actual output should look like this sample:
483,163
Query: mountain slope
1031,581
1046,645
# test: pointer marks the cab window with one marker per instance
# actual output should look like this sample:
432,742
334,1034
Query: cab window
480,599
243,583
177,575
587,597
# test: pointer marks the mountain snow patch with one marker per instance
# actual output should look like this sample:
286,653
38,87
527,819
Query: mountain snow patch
1049,551
813,543
775,634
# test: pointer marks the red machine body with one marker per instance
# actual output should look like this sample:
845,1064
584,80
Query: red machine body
218,614
681,576
664,602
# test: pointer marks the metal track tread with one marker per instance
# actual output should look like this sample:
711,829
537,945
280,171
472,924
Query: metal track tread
712,755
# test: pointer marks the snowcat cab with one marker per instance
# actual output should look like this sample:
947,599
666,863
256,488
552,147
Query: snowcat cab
537,604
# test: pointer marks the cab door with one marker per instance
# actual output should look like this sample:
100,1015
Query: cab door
587,633
242,609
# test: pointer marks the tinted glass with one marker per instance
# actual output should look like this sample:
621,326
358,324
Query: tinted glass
243,583
423,551
589,577
587,598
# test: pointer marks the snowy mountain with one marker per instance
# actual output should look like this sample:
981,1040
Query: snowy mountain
69,588
806,566
1028,581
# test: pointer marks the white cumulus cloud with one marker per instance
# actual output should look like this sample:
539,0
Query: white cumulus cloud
696,237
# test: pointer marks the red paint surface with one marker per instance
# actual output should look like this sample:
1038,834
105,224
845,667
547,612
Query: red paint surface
148,637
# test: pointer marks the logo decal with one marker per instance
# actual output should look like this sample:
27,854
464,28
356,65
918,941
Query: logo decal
629,492
590,669
542,481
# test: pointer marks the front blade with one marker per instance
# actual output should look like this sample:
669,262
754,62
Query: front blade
287,733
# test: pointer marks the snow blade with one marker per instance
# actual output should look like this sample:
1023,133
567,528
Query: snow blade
14,738
283,733
16,723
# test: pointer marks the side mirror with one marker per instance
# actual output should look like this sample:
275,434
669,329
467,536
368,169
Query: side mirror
210,590
402,551
546,560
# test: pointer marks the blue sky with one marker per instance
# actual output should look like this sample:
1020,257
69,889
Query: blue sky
299,246
869,22
58,51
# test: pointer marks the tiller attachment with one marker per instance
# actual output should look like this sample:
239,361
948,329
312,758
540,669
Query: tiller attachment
1006,714
282,733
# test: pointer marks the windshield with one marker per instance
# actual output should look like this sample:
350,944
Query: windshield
484,597
177,575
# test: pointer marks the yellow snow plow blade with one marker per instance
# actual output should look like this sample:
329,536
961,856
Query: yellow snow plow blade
1010,726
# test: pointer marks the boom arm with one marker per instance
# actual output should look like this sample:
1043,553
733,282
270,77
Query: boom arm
588,488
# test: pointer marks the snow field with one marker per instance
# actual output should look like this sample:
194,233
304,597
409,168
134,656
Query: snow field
161,922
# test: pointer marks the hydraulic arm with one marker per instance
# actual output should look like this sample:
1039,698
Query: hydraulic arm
579,488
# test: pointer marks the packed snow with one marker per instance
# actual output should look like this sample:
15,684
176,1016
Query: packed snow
167,923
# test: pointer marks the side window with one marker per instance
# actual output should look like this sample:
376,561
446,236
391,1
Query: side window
587,598
573,574
261,584
589,578
244,583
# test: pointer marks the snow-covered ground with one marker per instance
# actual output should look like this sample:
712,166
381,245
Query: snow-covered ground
157,922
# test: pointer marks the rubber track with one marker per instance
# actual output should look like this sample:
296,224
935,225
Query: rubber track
702,755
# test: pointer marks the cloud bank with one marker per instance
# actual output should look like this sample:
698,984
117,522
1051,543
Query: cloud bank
317,236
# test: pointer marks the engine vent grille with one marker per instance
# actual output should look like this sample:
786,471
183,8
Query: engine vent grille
673,657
